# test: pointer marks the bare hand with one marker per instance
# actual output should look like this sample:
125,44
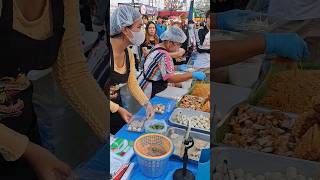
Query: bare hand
126,116
45,164
149,110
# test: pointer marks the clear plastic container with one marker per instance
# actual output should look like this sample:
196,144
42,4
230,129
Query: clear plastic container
148,124
137,123
260,23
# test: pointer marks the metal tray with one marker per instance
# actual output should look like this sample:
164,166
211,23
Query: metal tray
223,128
259,163
182,132
188,112
179,101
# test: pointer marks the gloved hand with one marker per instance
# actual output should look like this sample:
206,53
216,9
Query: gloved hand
229,20
199,75
183,67
287,45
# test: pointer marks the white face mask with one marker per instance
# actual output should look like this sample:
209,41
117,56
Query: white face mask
137,38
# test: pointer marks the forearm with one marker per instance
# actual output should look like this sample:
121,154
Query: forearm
180,77
133,85
73,78
114,107
145,51
178,53
230,52
12,144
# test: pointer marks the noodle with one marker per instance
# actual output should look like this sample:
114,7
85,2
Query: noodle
292,91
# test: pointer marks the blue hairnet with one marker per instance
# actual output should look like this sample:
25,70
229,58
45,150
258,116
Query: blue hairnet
122,17
174,34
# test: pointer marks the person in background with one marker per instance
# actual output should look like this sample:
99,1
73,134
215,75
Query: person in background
184,23
158,68
159,26
37,35
165,23
125,29
151,40
145,20
203,45
179,56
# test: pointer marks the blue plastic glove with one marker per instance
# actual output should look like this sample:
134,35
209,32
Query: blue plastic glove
287,45
183,67
199,75
229,20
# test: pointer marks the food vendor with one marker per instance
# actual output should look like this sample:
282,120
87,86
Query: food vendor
125,29
158,68
37,35
286,45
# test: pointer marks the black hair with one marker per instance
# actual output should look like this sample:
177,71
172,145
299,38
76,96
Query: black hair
144,16
149,23
120,34
159,17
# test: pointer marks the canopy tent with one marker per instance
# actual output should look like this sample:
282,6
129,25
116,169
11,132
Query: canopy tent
171,13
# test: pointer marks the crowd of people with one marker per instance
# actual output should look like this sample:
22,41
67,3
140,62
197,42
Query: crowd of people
53,84
145,55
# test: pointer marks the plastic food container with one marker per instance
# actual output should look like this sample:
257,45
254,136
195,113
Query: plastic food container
247,73
155,126
178,152
260,163
137,124
188,112
260,23
153,152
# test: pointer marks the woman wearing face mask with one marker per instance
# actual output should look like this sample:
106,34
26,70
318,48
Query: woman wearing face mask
158,68
125,29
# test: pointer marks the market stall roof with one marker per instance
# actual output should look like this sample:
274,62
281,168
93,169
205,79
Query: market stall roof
171,13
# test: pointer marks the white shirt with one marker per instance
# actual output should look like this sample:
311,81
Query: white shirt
295,9
203,59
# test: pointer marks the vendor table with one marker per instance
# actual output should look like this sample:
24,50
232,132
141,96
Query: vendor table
100,160
173,164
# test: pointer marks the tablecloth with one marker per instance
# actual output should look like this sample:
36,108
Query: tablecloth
100,161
